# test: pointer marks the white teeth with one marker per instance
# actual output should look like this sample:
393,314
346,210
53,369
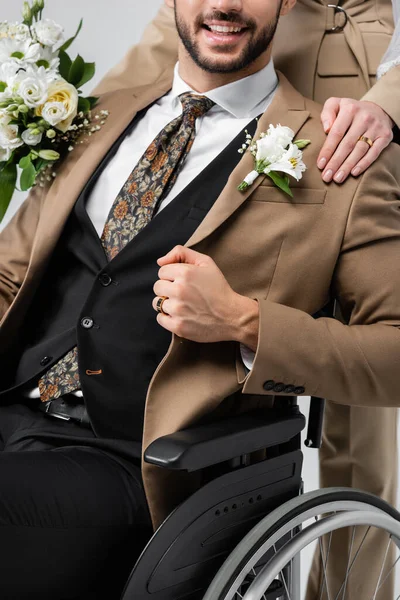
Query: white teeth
222,29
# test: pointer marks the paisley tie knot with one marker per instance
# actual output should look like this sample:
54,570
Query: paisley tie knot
195,106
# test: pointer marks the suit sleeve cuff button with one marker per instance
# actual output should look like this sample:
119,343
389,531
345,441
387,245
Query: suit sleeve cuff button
279,387
299,391
269,385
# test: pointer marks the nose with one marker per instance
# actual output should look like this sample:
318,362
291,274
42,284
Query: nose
226,5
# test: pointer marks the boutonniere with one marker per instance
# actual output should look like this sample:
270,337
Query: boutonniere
276,155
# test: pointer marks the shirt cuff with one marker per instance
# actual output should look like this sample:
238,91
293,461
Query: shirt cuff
248,356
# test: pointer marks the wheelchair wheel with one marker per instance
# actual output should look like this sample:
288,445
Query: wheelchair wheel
266,563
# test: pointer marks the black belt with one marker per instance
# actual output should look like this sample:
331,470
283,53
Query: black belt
67,408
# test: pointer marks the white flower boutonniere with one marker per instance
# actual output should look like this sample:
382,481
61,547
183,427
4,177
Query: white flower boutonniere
276,155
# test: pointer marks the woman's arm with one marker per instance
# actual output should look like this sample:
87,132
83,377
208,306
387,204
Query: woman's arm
373,116
383,92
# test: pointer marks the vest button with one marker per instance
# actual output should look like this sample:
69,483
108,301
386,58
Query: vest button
105,279
45,360
87,323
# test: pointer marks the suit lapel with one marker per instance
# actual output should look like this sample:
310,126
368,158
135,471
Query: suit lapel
123,106
287,108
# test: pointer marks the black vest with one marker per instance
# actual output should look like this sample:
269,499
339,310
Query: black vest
106,307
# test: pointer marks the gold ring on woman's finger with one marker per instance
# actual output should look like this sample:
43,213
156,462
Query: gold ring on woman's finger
367,140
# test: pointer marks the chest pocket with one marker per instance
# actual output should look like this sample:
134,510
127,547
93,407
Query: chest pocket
269,194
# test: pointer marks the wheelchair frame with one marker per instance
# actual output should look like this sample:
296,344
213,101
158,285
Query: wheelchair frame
183,555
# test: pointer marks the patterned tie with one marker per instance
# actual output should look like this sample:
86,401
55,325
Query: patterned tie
132,210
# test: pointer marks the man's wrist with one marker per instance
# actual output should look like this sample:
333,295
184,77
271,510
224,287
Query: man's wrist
246,322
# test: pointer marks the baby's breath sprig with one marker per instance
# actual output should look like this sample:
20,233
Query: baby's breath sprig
83,127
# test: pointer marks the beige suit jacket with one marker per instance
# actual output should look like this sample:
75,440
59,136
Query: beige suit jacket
319,64
290,254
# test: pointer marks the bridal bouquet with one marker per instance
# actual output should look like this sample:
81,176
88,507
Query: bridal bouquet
42,112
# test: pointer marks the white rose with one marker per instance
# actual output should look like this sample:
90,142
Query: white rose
61,91
33,92
31,139
9,138
32,86
268,149
54,112
47,32
282,135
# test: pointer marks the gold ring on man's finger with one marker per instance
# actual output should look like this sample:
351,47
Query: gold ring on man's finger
159,305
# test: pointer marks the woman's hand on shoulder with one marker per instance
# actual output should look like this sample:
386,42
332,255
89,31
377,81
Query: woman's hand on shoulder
345,121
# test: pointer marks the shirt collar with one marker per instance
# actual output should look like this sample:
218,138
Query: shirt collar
244,98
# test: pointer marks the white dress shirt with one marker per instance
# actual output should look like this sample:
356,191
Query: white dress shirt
236,105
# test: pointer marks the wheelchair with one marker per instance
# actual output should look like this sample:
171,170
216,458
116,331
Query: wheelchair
242,534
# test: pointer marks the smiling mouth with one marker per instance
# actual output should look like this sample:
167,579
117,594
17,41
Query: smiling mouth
224,29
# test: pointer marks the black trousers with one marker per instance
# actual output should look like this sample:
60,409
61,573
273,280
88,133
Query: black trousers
73,517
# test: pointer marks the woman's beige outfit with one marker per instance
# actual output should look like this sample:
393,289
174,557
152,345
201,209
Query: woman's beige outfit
324,51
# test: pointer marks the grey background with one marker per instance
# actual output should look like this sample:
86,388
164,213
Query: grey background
110,27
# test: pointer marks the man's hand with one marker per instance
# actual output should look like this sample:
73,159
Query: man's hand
346,120
201,306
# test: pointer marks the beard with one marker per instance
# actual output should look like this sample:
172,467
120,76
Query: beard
259,42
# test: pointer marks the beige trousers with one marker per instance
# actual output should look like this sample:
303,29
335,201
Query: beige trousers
359,450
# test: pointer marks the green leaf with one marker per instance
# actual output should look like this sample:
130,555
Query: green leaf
25,162
83,105
89,70
93,100
3,86
281,181
28,177
17,55
76,71
67,44
8,180
65,64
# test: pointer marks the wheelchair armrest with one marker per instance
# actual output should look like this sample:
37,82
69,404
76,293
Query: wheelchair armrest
206,445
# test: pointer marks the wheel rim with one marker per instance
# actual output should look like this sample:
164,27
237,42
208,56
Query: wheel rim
237,570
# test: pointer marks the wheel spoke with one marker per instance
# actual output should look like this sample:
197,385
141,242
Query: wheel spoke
353,561
348,562
383,566
388,573
324,563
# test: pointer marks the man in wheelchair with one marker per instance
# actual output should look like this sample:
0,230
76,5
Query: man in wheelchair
149,231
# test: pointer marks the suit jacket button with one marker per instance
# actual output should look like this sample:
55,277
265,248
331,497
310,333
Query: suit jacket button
45,360
299,390
269,385
87,323
105,279
289,389
279,387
